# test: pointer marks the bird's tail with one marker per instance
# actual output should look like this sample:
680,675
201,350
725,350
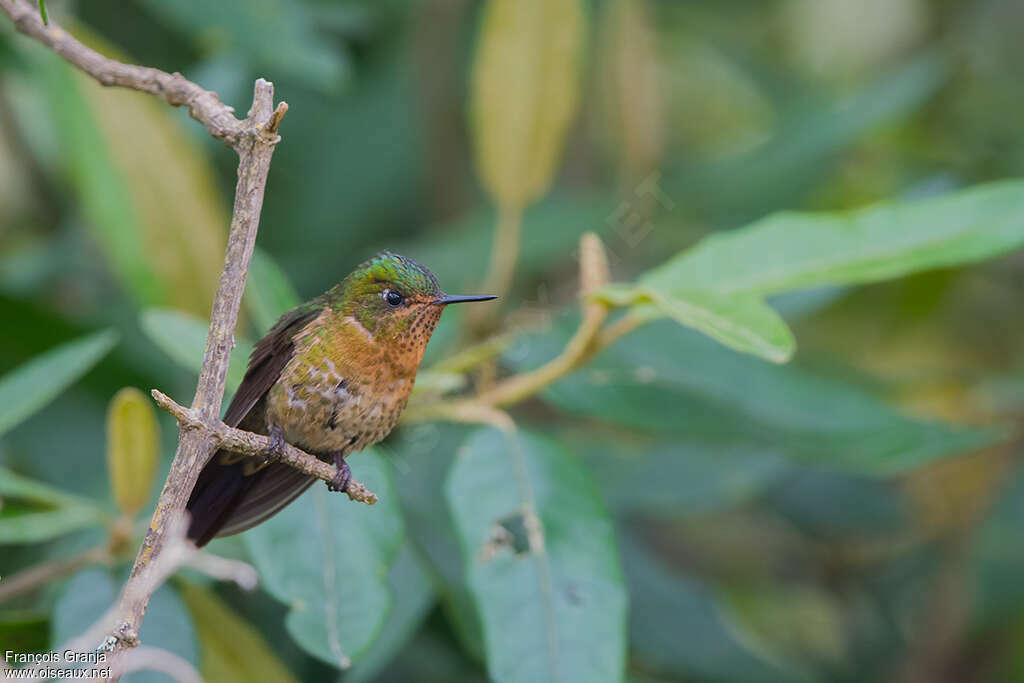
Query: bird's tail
227,500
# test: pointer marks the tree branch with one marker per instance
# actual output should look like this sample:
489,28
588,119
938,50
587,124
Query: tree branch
203,105
248,443
254,139
589,338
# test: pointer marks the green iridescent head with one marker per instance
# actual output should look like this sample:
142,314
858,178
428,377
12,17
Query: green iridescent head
394,296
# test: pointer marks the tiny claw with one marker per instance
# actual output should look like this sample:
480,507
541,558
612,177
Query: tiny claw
276,448
343,477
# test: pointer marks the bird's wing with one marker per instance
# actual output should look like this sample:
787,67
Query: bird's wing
228,493
267,361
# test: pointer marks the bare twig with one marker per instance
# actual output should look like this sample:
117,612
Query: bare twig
146,658
32,578
254,139
248,443
588,339
175,553
242,574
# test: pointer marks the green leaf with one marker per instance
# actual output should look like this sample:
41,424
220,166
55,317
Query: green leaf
540,555
423,455
31,386
791,250
718,395
34,526
82,600
327,558
182,336
233,651
268,293
741,322
413,596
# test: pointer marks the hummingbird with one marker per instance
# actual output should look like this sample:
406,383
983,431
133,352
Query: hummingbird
331,377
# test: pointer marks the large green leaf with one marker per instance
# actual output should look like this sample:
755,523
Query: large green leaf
31,386
667,380
182,336
413,596
327,558
423,454
790,250
540,555
717,286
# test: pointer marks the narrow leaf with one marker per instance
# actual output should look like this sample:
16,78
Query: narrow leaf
33,511
233,651
540,555
29,387
148,193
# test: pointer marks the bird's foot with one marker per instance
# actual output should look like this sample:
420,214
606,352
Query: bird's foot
343,477
275,450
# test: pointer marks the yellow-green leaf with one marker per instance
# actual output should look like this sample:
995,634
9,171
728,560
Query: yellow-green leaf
148,193
133,447
231,649
524,93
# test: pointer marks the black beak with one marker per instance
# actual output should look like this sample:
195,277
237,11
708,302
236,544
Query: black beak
446,299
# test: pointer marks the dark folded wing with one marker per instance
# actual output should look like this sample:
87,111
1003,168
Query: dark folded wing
267,361
230,495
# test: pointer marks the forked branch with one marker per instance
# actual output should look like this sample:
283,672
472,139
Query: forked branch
253,139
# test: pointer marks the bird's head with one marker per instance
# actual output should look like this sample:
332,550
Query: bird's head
396,300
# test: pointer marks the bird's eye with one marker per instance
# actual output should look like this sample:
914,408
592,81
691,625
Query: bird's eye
393,298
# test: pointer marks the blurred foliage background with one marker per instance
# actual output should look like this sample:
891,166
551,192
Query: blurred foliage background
852,515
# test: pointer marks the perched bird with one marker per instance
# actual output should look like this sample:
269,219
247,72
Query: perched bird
331,377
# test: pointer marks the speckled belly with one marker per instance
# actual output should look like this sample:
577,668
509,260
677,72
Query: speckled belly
321,411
